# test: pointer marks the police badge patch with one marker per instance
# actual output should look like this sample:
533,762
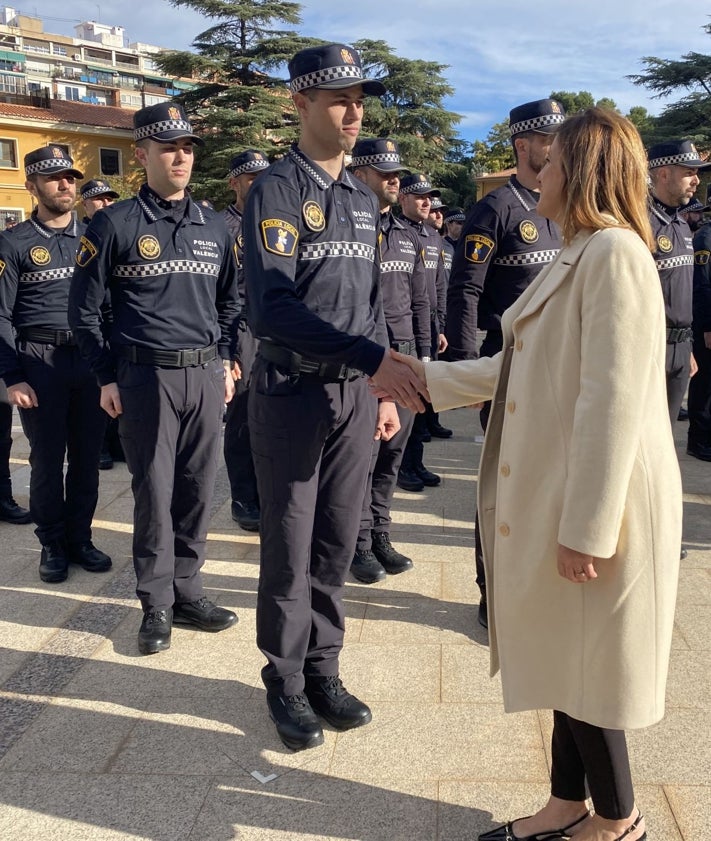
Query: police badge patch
148,247
701,258
40,256
665,244
313,216
2,267
279,237
87,252
478,248
528,231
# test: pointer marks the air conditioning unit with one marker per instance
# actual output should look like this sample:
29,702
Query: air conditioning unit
77,56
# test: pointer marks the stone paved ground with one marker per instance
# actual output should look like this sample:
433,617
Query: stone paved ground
97,742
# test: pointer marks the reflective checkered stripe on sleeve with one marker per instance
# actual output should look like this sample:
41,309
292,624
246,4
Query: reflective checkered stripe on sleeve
321,250
528,259
167,267
673,262
387,266
48,274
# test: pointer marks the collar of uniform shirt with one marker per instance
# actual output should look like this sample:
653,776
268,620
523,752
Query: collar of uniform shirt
166,209
670,211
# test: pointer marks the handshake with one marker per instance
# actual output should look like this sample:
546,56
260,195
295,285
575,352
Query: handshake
401,379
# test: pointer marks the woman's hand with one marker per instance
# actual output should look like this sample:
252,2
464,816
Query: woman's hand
575,566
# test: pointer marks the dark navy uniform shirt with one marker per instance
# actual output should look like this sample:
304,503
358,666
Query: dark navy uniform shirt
702,279
403,282
311,267
36,267
448,247
435,268
503,246
674,256
171,271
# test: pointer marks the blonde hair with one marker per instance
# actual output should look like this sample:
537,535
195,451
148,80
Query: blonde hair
605,169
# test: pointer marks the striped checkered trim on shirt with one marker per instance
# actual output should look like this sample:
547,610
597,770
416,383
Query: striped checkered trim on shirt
319,250
372,160
325,75
249,166
668,160
167,267
51,164
675,262
299,159
431,264
161,126
526,259
536,123
48,274
388,266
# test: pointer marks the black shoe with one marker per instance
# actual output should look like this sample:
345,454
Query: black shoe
425,436
366,568
506,833
154,633
683,414
89,557
483,615
439,431
11,512
106,462
700,451
427,477
408,480
334,703
390,559
296,722
54,564
682,554
203,614
246,514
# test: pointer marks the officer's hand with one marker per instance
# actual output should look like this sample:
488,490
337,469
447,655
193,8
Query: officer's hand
22,395
388,422
236,372
442,343
401,378
229,387
111,400
694,366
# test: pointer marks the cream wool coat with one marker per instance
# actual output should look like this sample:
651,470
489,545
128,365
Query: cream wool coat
579,451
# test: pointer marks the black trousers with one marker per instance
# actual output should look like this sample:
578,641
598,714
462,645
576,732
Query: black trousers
5,442
382,478
170,432
237,447
67,420
699,402
311,443
581,752
678,366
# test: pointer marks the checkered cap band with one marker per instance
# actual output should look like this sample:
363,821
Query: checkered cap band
249,166
675,262
418,187
526,259
372,160
49,164
536,123
162,125
682,158
61,273
455,217
326,75
319,250
100,190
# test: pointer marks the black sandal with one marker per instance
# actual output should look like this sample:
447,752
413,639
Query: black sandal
631,828
506,833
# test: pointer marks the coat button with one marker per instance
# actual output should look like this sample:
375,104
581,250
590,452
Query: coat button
505,470
511,406
519,344
504,530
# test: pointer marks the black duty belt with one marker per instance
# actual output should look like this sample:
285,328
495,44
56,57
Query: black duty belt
189,358
294,363
678,334
46,336
406,348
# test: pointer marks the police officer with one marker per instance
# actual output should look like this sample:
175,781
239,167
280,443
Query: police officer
435,218
416,197
699,400
10,221
244,169
406,306
171,271
693,212
310,256
45,376
95,195
503,246
673,170
453,223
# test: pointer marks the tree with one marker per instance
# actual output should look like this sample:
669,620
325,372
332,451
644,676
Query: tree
496,152
237,103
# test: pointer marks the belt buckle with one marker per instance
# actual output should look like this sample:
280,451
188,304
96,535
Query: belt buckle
189,358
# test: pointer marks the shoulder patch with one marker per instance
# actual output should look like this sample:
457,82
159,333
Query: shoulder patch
528,231
664,243
235,251
478,248
86,253
40,256
279,237
313,216
701,258
148,247
2,267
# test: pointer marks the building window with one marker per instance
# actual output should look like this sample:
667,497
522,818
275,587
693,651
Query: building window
71,93
8,153
12,84
110,161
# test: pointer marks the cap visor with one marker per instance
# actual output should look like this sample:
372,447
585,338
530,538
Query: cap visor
172,136
390,168
370,87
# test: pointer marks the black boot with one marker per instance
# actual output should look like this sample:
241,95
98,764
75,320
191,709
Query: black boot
331,700
154,633
366,568
11,512
54,564
295,721
391,560
408,480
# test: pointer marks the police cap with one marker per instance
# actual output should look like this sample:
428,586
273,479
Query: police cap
437,204
330,67
248,161
419,184
681,152
543,116
49,160
380,153
165,122
694,206
454,214
96,187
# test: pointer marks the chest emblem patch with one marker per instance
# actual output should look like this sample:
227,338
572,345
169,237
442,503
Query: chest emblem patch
40,256
148,247
665,244
313,216
279,237
87,252
478,248
528,231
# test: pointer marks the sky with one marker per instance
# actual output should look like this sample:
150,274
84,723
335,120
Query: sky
499,55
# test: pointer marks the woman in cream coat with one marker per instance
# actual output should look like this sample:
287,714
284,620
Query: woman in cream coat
579,488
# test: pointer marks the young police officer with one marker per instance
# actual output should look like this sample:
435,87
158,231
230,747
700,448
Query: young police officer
170,267
310,237
45,376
